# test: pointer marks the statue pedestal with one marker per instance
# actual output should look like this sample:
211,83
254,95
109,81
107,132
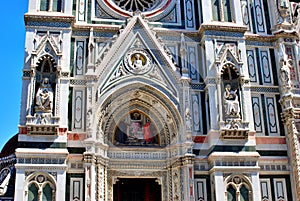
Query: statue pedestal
234,128
42,124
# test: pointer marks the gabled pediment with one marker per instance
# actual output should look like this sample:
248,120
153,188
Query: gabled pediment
228,55
136,53
128,66
47,44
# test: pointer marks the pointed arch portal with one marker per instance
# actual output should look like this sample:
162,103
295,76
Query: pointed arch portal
138,115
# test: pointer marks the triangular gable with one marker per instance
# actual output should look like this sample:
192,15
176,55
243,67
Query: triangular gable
228,54
113,65
48,45
123,70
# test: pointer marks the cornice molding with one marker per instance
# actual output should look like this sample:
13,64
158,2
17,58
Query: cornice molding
48,18
221,26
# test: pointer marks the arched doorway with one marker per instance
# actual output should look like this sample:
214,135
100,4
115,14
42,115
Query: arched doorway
137,189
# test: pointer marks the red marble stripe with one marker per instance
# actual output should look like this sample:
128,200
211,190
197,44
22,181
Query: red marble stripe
270,140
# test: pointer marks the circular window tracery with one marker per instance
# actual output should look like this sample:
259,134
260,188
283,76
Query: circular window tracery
137,5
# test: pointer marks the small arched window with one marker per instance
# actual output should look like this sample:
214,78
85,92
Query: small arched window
51,5
41,188
231,192
32,192
244,193
238,188
222,10
47,192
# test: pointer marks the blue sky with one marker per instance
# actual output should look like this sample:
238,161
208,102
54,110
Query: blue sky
12,37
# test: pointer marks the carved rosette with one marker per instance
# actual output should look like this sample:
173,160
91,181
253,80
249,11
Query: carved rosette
138,61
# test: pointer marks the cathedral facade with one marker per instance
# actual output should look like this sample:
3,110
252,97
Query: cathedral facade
157,100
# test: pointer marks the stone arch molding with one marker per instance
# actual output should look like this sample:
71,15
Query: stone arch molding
237,181
156,105
228,56
157,9
40,180
47,44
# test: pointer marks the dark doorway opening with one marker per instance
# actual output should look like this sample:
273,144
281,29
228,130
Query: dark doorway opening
137,190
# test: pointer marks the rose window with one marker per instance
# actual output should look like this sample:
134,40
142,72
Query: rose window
137,5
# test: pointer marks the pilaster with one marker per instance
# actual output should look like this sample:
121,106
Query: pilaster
218,186
90,177
188,178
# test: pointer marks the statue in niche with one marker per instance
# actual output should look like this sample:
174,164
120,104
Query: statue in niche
285,74
188,118
89,118
231,103
44,97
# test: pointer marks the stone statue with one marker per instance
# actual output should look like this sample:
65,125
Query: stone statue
285,75
138,63
89,119
44,97
231,103
188,119
282,50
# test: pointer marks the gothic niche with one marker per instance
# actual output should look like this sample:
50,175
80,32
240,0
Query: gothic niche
231,99
45,87
136,129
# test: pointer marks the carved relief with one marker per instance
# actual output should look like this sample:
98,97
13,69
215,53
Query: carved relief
44,97
137,61
231,102
5,175
176,184
285,74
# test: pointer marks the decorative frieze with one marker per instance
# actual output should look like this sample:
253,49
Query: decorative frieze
138,164
76,166
140,155
274,167
42,130
44,160
57,24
